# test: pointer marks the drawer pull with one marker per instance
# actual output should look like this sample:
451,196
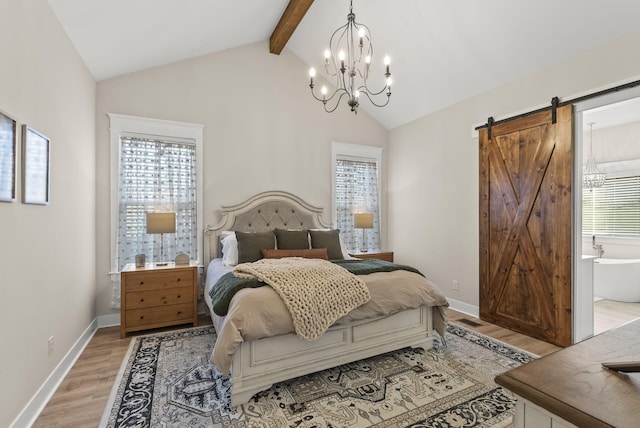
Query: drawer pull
179,312
141,317
178,280
141,282
179,296
141,300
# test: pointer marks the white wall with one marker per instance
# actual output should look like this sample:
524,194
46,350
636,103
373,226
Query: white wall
47,253
263,130
433,164
613,144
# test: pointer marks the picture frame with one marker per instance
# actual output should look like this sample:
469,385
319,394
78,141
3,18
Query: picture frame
8,142
35,167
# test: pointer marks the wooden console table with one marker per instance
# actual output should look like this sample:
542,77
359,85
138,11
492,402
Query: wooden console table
571,388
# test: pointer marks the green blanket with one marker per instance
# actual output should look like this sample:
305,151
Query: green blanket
228,285
367,266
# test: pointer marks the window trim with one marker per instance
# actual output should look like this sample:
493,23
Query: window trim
356,152
137,126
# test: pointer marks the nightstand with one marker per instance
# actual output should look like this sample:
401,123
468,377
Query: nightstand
374,254
158,296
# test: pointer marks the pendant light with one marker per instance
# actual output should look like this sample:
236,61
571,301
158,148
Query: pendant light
591,176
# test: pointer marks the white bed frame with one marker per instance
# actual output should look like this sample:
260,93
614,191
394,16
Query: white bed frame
258,364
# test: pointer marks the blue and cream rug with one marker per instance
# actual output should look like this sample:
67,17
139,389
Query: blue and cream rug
167,381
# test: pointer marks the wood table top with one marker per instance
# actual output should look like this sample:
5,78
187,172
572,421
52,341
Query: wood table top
572,384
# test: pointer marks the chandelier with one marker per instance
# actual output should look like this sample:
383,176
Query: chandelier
591,177
348,60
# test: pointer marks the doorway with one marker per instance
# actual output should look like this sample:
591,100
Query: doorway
609,128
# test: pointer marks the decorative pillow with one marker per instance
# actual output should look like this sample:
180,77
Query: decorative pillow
250,244
329,239
229,249
308,253
292,239
345,252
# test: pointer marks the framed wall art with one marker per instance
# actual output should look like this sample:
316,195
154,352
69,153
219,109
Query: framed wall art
35,167
8,139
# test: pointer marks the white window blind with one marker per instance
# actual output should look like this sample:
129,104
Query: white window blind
356,191
613,209
156,176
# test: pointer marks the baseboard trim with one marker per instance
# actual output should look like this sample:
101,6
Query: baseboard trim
463,307
108,320
32,410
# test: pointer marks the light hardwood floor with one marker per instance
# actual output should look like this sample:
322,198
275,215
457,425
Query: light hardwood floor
81,397
608,314
83,394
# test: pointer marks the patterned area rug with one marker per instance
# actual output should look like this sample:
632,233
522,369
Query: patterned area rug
167,381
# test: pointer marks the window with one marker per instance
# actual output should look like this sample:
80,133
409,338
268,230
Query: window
356,187
613,209
156,176
156,167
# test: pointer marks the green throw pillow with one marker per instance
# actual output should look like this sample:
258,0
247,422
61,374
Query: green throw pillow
329,239
250,244
292,239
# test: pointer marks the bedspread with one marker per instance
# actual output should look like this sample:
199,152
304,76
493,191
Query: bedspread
316,292
255,313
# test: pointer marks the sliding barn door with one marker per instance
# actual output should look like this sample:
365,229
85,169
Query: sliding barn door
525,225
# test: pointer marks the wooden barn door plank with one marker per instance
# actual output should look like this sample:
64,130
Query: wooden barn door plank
525,225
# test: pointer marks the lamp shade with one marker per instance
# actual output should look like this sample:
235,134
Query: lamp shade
161,222
363,221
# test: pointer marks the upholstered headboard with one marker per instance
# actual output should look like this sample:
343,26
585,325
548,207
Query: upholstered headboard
262,212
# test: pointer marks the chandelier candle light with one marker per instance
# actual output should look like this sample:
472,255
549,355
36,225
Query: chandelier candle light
348,59
591,177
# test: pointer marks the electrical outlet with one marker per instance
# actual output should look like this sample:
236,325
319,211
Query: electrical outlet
51,343
456,285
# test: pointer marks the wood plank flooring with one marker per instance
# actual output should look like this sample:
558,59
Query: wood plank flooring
519,340
81,397
609,314
83,394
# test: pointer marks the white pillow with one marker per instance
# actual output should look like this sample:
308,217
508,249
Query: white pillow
229,249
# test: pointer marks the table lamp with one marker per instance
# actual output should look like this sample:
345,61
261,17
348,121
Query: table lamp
363,221
161,223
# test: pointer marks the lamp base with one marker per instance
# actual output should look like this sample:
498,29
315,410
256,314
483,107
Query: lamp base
363,250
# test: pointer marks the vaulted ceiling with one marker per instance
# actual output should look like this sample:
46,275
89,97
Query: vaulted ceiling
442,51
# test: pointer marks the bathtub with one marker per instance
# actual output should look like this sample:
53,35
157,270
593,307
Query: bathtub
617,279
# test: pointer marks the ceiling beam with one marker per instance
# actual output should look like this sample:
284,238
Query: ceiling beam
289,20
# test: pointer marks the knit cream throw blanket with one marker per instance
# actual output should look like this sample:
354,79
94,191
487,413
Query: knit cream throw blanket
316,292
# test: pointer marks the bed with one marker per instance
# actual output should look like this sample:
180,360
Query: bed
272,352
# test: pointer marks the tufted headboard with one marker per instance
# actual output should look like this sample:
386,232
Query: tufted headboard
262,212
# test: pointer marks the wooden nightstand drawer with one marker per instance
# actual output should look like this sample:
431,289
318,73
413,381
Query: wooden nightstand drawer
149,299
141,281
158,316
158,296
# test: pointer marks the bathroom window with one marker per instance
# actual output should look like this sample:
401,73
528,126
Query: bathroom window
613,209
